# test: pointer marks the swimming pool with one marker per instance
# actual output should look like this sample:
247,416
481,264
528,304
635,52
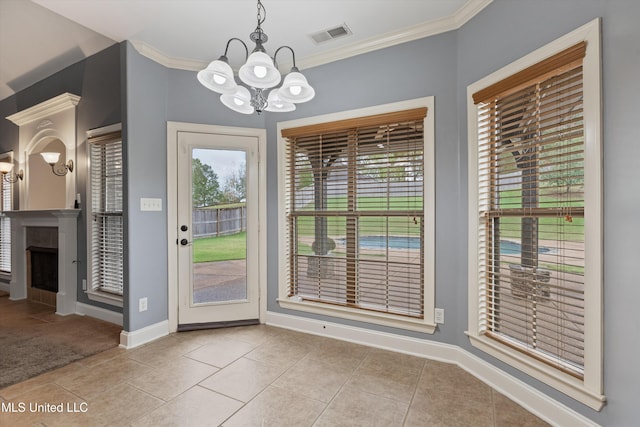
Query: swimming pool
507,247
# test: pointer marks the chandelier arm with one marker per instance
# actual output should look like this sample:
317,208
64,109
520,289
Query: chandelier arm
292,54
246,49
260,72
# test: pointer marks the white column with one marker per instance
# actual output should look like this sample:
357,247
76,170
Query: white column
67,258
18,284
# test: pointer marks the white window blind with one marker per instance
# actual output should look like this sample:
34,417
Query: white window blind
106,213
5,225
531,158
356,212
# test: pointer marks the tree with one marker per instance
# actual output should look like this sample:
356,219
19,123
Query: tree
235,186
206,190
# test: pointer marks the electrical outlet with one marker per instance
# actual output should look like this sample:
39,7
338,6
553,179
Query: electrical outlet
440,315
142,304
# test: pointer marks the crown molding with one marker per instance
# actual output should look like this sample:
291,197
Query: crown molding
45,109
161,58
416,32
452,22
468,11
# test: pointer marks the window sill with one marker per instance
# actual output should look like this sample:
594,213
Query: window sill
359,315
105,298
566,384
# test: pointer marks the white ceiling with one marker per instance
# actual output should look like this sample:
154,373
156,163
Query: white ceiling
40,37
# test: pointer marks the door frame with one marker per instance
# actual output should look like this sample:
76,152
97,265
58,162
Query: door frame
173,128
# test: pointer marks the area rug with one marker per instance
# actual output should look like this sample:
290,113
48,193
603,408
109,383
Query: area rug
22,358
34,343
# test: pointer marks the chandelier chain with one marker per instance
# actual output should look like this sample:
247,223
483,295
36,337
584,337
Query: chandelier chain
261,10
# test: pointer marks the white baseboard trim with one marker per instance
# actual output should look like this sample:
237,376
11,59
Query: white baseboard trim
523,394
383,340
147,334
99,313
528,397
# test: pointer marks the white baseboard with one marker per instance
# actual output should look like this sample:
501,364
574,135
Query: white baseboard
526,396
99,313
142,336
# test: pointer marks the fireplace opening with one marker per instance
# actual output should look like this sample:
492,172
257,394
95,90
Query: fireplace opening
43,268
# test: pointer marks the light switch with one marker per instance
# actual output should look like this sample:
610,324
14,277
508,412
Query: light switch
147,204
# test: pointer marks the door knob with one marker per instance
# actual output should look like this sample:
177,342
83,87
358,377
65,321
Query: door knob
184,242
184,228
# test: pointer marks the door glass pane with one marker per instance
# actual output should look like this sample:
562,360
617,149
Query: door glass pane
219,225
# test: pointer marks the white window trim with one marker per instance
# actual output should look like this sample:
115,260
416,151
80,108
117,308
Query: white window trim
8,156
94,294
104,297
589,391
426,325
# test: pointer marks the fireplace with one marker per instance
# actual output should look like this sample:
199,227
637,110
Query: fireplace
42,264
52,233
42,274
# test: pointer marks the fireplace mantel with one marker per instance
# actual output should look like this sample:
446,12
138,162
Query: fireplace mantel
66,222
43,213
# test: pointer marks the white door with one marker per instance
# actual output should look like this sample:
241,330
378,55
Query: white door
217,229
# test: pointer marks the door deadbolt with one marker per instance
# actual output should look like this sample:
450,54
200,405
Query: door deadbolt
184,228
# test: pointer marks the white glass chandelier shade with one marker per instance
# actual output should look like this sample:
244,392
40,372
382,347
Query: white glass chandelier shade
239,101
296,89
259,71
276,104
247,94
218,77
51,158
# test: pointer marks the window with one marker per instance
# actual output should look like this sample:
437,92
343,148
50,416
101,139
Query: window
535,224
6,204
106,220
354,197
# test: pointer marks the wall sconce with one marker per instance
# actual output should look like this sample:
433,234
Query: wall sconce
52,159
5,168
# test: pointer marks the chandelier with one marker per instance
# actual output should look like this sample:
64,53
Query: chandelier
258,74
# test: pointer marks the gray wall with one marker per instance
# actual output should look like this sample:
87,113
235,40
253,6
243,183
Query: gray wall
97,81
421,68
502,33
155,95
145,272
440,66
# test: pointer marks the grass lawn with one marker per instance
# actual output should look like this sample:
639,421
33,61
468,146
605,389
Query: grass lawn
373,203
549,228
336,226
223,248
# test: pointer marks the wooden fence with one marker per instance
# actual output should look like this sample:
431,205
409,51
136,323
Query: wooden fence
212,222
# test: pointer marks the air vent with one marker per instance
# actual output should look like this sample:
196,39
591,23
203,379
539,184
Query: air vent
331,34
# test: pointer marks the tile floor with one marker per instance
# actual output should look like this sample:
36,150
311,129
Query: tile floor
258,376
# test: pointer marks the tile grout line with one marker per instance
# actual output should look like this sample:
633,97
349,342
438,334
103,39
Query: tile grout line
493,407
415,391
341,387
261,391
